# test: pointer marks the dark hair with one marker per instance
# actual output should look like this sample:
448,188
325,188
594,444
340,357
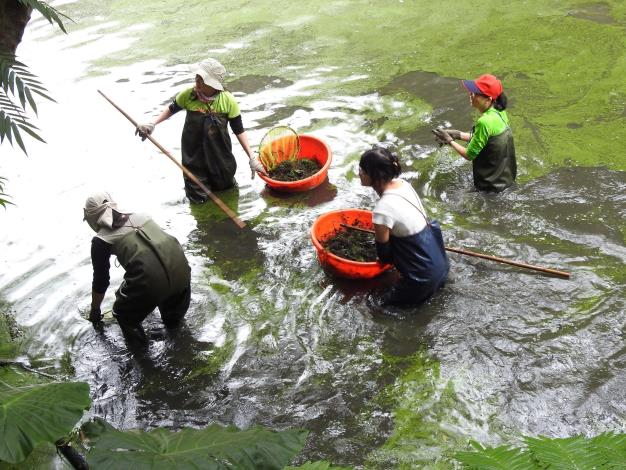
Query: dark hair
380,164
500,102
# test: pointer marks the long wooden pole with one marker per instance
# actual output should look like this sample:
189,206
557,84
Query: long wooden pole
190,175
554,272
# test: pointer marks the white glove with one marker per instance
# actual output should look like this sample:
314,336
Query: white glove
144,130
256,167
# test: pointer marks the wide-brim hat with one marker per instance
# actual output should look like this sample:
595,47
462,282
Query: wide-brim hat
486,84
211,72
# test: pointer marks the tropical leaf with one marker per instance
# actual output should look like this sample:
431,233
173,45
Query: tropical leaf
3,202
38,413
610,447
319,465
495,458
50,13
570,453
214,447
16,79
14,75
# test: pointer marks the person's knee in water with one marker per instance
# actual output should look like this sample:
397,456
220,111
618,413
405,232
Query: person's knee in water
157,273
404,236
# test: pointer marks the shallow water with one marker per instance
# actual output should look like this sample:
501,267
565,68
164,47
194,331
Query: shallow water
270,338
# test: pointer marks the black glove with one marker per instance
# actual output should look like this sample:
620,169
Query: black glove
441,136
383,251
144,130
95,316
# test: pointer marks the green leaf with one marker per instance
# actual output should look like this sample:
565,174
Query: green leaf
610,447
570,453
48,12
495,458
38,413
319,465
214,447
31,100
32,133
18,136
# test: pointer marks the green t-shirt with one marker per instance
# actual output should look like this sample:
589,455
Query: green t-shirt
224,103
491,122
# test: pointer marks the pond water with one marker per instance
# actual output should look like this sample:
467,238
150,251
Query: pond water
269,338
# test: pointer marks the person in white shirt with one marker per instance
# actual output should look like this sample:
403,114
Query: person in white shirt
404,236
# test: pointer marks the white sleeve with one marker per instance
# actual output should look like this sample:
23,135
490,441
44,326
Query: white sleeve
382,215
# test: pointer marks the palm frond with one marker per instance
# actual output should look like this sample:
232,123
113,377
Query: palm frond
15,76
570,453
495,458
3,202
17,86
611,447
48,12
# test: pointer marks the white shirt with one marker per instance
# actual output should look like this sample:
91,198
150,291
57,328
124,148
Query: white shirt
394,211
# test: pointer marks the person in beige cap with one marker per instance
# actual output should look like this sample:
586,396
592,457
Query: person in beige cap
206,146
157,273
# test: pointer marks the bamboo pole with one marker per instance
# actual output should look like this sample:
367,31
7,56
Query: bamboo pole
189,175
533,267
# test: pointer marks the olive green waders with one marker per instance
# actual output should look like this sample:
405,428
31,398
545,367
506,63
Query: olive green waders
157,275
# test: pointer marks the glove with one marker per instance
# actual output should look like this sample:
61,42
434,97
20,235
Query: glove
95,316
256,167
441,136
144,130
456,135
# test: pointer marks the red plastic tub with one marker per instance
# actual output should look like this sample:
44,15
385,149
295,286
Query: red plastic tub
314,149
326,226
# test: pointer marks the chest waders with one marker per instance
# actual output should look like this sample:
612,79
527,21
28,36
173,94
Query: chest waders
157,275
207,153
495,167
421,259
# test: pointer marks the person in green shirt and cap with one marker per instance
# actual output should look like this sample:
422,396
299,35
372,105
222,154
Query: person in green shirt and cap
205,145
491,149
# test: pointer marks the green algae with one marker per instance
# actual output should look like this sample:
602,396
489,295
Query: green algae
10,335
561,66
424,409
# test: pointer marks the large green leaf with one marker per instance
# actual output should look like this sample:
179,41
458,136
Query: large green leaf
319,465
495,458
214,447
612,448
570,453
38,413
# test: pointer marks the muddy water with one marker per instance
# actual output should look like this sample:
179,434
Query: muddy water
269,338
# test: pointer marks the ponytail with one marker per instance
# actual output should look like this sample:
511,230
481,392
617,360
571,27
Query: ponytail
500,102
380,164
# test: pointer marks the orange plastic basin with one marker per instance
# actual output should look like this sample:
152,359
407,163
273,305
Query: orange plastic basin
326,226
311,148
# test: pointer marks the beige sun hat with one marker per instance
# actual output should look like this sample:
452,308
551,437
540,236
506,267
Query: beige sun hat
212,73
98,210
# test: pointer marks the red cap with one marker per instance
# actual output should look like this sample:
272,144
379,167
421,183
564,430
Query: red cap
486,84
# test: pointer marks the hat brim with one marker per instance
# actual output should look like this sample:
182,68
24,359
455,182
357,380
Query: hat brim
470,85
209,80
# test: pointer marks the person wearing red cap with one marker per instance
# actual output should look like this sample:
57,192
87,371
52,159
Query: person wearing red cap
491,149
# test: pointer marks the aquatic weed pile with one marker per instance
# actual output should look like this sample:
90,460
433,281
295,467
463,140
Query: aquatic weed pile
353,245
294,170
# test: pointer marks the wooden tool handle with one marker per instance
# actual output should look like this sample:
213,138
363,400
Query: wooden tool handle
190,175
554,272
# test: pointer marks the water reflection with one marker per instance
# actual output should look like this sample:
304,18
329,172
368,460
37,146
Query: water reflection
220,242
321,194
